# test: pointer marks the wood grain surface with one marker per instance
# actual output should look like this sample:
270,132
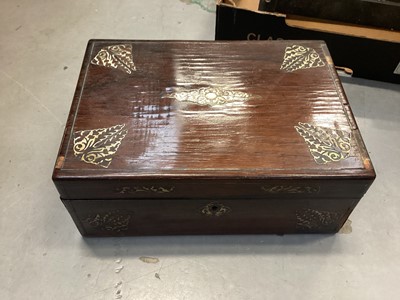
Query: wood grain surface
166,137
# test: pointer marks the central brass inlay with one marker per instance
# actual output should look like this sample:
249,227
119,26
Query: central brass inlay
211,96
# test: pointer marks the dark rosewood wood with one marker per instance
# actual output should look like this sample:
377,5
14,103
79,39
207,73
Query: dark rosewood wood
176,154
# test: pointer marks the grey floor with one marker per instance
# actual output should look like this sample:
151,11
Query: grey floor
42,255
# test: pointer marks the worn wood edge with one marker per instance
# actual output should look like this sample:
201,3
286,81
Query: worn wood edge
78,93
60,162
350,116
117,174
65,141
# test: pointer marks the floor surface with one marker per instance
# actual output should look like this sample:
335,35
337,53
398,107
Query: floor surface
42,255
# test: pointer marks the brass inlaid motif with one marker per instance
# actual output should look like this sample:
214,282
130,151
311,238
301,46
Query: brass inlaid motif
215,209
116,57
316,219
299,57
97,146
139,189
326,145
116,221
290,189
209,96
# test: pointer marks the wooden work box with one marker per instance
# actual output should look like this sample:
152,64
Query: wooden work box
171,137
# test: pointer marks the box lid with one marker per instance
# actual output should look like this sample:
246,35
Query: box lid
178,119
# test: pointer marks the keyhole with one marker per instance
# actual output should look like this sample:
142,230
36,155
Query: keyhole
214,208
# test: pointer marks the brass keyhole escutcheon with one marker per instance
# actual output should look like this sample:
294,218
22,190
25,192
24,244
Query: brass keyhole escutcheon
215,209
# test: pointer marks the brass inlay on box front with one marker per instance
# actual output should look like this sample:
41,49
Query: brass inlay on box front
300,57
316,219
210,96
326,145
116,221
290,189
139,189
215,209
97,146
117,57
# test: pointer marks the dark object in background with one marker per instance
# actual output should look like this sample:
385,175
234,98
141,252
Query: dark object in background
368,53
210,138
376,13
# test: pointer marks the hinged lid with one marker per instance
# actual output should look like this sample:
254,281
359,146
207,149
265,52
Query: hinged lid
181,119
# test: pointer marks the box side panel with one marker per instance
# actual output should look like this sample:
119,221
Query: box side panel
175,217
368,58
68,205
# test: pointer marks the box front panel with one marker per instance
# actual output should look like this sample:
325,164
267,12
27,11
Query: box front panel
176,217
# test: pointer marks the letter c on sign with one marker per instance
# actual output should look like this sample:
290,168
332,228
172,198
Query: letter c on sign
252,36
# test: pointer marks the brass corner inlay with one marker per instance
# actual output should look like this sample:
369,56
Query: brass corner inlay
215,209
316,219
139,189
117,57
97,146
116,221
290,189
326,145
300,57
209,96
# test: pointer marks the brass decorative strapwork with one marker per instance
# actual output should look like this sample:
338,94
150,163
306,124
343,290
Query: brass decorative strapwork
326,145
116,57
97,146
300,57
